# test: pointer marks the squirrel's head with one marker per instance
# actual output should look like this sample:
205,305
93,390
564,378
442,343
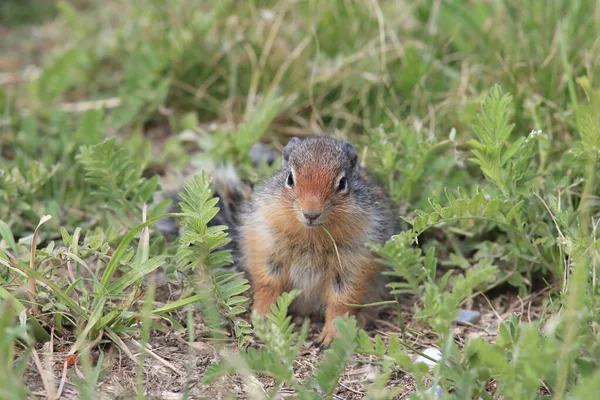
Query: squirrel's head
318,176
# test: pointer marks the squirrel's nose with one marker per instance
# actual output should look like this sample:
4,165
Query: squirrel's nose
311,215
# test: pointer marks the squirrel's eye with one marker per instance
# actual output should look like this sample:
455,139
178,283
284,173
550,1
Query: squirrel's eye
342,184
290,180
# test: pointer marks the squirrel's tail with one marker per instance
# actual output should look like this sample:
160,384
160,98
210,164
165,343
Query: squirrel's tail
232,192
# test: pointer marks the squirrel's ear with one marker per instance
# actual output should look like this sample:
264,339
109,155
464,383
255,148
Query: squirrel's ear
289,147
351,153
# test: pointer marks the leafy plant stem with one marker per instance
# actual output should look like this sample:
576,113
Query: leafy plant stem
334,245
400,318
572,324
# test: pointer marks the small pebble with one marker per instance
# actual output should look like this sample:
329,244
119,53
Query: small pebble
468,317
431,352
437,392
492,330
372,374
259,151
168,227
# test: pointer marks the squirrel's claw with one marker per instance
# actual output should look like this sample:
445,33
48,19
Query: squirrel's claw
322,343
320,346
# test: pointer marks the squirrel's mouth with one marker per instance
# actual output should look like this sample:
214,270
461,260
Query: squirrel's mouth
312,224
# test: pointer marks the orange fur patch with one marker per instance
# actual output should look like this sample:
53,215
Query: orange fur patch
314,186
346,228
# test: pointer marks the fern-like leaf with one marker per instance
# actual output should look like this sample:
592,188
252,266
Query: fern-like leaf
493,131
337,356
281,345
199,248
116,180
404,262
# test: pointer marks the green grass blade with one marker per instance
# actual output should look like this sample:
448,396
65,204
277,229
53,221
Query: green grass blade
111,268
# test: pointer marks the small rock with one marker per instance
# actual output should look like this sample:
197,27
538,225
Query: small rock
259,151
170,395
431,352
468,317
492,330
204,349
372,373
168,227
436,391
267,15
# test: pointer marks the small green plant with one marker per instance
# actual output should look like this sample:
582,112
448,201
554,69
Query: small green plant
117,182
525,357
199,250
510,204
403,160
493,132
281,347
230,146
11,366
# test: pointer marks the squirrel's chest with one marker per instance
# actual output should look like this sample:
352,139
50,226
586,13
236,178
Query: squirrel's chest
307,267
309,271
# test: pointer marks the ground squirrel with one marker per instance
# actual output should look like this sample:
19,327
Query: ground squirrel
276,232
284,246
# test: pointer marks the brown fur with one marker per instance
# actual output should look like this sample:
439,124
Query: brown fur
282,253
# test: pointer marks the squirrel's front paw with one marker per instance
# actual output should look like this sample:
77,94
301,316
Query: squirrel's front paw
327,336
